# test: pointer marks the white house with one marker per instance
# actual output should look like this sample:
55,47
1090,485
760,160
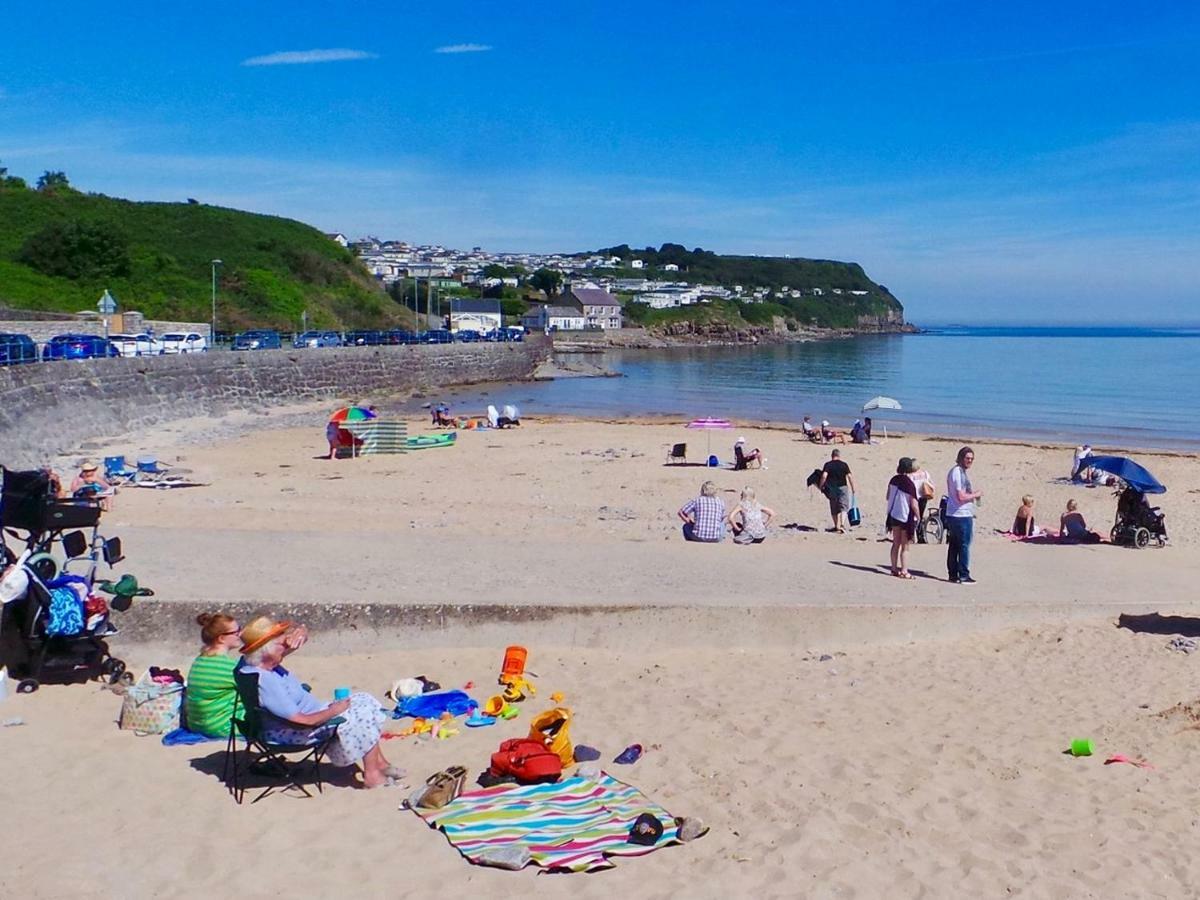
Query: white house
339,239
670,267
470,314
554,318
637,264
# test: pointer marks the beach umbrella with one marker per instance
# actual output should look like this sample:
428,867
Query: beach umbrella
352,414
1128,471
876,403
709,425
881,403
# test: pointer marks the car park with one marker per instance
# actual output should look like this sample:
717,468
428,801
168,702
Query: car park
184,342
258,339
317,339
143,344
79,346
16,349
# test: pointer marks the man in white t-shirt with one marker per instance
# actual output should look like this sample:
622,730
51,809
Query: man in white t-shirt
960,518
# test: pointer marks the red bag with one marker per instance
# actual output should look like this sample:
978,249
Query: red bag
526,760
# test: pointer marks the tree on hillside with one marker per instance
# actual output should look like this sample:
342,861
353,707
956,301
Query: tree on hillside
52,181
77,250
495,270
546,280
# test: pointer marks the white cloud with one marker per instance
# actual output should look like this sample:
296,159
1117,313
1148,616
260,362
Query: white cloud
306,57
464,48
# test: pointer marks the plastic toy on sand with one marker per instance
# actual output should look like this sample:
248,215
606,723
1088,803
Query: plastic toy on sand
1081,747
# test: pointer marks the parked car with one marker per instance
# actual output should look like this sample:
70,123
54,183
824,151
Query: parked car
137,344
79,346
436,336
399,336
260,339
317,339
364,339
16,349
184,342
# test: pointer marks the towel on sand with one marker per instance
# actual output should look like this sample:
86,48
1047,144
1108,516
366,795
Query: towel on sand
572,826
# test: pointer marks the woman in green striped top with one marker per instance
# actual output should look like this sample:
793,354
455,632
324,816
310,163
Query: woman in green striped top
211,691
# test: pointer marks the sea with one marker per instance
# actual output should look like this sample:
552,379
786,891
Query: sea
1126,387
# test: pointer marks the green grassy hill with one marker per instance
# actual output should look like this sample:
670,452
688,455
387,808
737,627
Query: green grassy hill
825,287
60,249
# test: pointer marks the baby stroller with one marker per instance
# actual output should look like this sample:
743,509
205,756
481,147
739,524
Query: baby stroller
52,627
1137,521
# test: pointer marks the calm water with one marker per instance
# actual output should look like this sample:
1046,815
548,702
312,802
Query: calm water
1133,386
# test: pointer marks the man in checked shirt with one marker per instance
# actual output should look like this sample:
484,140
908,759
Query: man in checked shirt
704,517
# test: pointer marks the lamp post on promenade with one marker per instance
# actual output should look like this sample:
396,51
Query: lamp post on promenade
212,336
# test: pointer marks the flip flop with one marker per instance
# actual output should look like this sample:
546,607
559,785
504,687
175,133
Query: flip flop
1122,758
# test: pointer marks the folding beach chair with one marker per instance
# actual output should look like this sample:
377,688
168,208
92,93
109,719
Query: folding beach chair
263,758
677,453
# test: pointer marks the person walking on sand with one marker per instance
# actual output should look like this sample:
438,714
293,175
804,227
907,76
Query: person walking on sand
838,485
961,498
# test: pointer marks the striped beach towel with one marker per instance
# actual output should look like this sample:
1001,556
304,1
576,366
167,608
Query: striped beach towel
572,826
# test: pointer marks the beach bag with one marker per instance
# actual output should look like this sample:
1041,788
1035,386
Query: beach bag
853,516
927,490
441,787
553,729
526,760
65,617
151,708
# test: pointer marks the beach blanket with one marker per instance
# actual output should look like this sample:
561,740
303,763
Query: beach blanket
572,826
1045,537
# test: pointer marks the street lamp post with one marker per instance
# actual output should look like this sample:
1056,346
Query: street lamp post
212,336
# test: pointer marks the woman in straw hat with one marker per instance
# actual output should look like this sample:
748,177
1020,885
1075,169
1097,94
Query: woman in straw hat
292,715
89,484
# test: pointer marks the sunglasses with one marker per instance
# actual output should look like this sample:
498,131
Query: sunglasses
230,633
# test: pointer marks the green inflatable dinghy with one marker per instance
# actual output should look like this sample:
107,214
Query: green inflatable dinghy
425,441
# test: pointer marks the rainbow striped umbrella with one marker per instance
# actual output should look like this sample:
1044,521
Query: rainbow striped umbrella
352,414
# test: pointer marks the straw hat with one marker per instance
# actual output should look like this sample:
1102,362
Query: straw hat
740,440
88,466
261,631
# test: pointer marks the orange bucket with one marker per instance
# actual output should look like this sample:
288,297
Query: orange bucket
514,661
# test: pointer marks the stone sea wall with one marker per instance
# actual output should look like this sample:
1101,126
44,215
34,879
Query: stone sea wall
48,409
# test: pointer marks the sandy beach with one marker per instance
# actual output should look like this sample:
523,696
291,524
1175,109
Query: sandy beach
843,732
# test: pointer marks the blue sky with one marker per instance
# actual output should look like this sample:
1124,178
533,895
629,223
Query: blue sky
988,162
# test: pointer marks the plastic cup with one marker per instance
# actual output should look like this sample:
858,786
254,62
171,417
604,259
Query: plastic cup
342,693
1081,747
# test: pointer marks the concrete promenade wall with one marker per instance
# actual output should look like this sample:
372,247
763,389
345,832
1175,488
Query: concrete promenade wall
51,408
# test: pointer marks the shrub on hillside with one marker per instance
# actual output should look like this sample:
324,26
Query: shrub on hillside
77,250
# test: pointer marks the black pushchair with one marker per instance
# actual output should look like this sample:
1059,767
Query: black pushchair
34,644
1137,521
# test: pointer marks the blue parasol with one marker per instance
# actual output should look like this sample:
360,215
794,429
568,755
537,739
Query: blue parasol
1128,471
